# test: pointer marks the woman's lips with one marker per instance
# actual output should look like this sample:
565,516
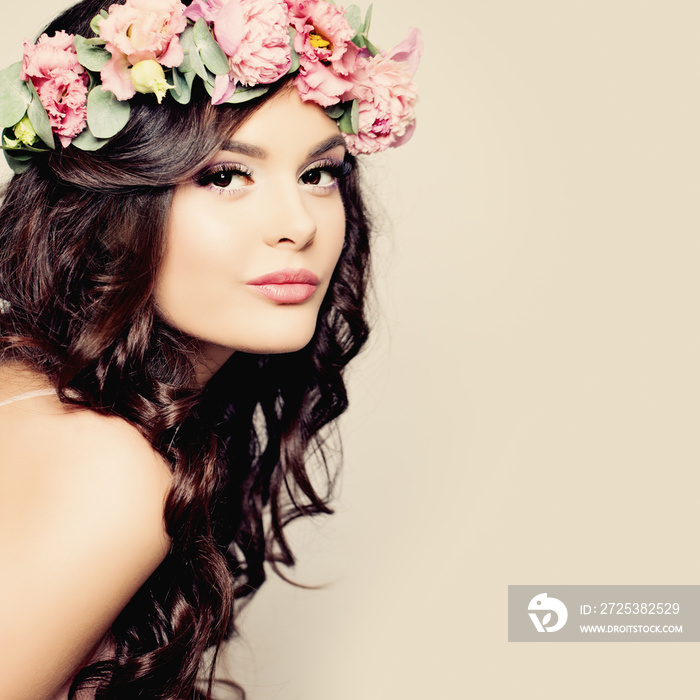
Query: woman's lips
286,286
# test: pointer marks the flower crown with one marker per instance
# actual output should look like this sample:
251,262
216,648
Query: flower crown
78,89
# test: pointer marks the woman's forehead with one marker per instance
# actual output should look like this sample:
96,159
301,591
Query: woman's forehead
286,122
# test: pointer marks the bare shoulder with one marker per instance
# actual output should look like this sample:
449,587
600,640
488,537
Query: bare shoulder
50,451
81,530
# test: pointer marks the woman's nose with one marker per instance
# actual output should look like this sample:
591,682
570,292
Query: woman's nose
292,223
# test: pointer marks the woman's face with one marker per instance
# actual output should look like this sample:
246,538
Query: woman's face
253,241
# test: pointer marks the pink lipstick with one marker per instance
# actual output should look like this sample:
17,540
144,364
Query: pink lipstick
286,286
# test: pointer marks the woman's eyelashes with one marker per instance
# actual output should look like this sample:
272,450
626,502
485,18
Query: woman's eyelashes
226,178
326,175
232,178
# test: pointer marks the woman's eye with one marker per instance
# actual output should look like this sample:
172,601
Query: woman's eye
319,177
225,178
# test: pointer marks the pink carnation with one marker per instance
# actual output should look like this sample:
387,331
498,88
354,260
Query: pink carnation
60,81
386,93
227,18
322,34
137,31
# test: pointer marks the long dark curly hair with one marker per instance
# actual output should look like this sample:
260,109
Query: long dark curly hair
81,240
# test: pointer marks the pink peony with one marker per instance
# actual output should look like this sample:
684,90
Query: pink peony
263,55
320,84
322,34
140,30
60,81
386,94
254,34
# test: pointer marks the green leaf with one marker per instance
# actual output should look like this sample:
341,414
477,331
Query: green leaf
359,40
14,95
335,111
40,119
85,141
186,65
18,166
296,61
368,21
106,115
210,52
349,123
92,56
371,47
354,18
355,116
182,86
93,24
247,94
191,51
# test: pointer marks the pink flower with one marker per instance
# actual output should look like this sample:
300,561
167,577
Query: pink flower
227,18
254,34
60,81
320,84
263,55
140,30
386,93
322,34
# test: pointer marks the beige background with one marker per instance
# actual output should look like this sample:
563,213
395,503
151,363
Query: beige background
527,410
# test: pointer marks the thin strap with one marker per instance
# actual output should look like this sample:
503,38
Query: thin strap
29,395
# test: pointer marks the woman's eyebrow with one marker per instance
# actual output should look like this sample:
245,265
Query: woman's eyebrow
251,151
327,145
245,149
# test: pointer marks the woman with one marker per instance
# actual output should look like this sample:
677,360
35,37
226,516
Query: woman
183,263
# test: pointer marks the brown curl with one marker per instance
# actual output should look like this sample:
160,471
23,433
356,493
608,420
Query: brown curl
81,241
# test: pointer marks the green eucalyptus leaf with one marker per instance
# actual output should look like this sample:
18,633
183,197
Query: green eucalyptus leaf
20,155
359,40
245,94
191,51
179,88
93,24
15,95
210,52
335,111
106,115
92,56
104,14
182,90
355,116
186,65
296,61
18,166
368,21
85,141
349,122
40,119
354,18
371,47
